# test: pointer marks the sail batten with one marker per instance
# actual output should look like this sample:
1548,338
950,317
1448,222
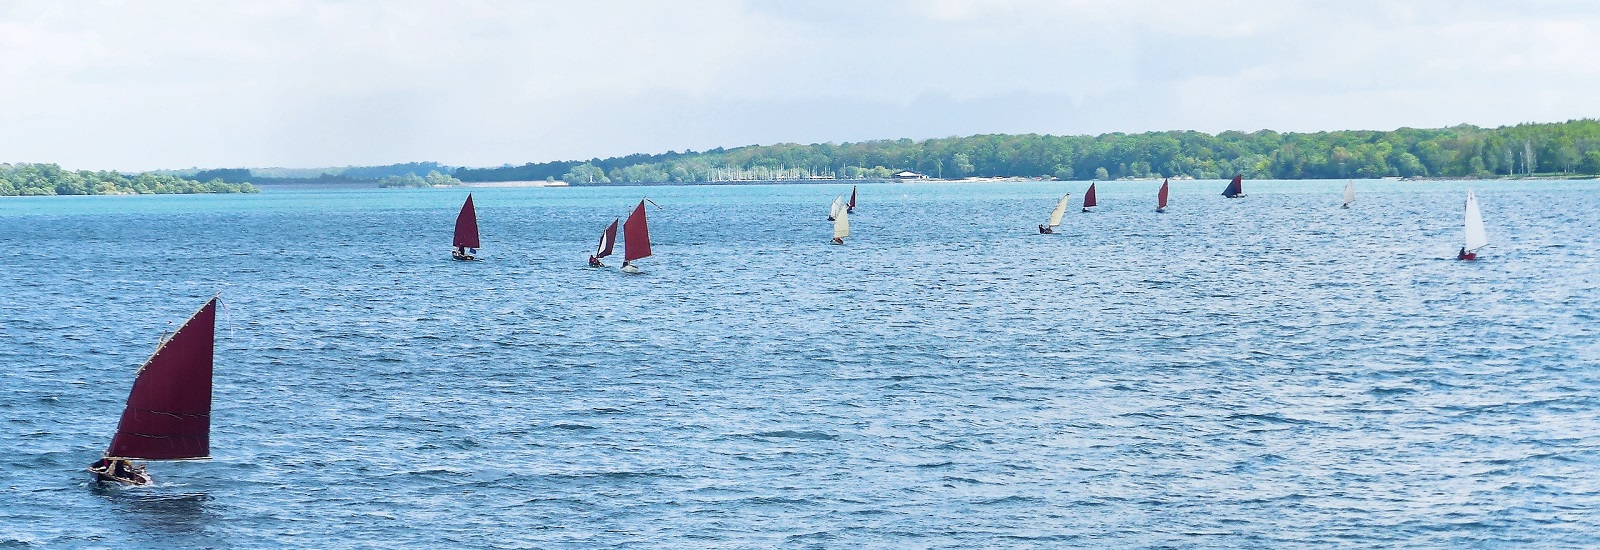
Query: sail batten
467,225
168,413
635,235
1476,236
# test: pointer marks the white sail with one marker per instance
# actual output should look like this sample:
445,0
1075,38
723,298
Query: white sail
841,224
1349,192
1476,236
838,204
1061,210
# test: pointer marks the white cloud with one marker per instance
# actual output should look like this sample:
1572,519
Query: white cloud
306,83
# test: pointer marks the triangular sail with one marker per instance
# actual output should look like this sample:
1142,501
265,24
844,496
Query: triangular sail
1235,187
841,225
1349,192
168,416
1161,196
467,225
1477,237
635,235
608,238
1061,210
852,206
833,209
1088,197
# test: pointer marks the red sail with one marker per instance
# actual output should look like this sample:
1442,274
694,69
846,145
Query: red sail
168,416
1088,197
1235,187
635,236
1161,196
852,206
607,240
467,225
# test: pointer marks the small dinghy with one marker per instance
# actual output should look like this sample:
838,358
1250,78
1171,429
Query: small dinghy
608,239
168,415
1055,216
466,240
1161,198
1476,236
635,239
1235,188
1349,193
1088,198
851,208
841,227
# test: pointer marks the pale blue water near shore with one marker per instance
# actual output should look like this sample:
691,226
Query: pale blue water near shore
1264,372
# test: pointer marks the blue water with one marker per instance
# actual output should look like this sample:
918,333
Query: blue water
1266,372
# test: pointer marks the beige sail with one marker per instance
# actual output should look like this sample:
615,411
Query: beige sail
1061,210
841,224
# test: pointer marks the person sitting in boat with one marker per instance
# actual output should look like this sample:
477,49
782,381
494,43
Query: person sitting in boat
117,469
595,262
460,253
1045,230
1464,255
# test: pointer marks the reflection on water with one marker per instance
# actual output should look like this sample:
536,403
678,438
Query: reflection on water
182,520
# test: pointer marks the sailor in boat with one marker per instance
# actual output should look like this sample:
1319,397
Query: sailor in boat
120,471
1045,229
595,262
1464,255
464,254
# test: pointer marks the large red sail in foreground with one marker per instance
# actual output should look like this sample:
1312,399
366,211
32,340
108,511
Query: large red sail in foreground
608,239
1088,197
168,416
635,236
1161,196
467,225
1235,187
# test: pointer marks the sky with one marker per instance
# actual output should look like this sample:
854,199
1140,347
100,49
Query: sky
140,85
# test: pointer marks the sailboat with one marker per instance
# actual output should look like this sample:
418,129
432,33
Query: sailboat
1349,193
168,415
466,241
635,239
608,238
1161,198
851,208
1088,198
1235,188
1476,236
838,205
1055,215
841,227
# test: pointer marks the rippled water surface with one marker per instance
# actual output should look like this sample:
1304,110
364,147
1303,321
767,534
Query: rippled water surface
1270,371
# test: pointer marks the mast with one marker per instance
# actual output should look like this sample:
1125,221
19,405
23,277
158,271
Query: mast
467,225
1061,210
1088,197
635,235
168,415
852,206
841,225
608,238
1476,236
1161,196
1235,188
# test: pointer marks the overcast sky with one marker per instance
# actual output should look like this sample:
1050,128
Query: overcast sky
136,85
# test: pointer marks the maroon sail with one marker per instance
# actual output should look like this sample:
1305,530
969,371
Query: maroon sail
851,208
467,225
1088,197
168,416
607,240
1235,188
635,236
1161,196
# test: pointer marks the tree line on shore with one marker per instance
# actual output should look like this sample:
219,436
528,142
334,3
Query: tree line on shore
1566,149
50,179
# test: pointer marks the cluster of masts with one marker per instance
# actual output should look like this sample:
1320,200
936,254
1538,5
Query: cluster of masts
168,414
